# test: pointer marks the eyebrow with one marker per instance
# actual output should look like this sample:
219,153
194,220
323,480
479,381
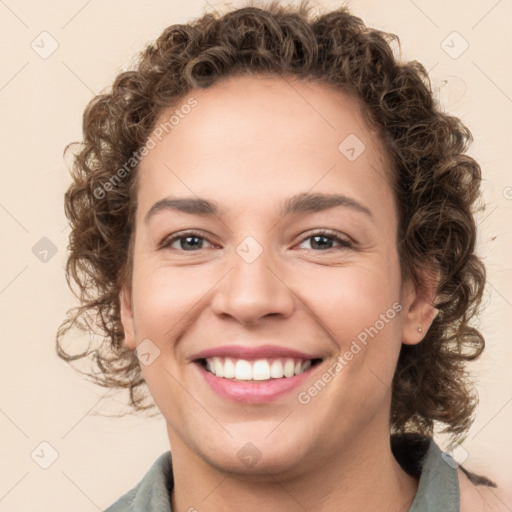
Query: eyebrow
296,205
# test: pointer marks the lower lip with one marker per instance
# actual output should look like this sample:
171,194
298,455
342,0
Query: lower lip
254,392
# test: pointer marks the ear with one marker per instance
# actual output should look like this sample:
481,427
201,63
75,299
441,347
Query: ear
127,317
419,309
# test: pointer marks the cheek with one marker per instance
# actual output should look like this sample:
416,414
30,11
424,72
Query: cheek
351,298
358,310
163,301
164,297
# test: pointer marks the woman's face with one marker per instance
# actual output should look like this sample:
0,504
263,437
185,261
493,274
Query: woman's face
260,272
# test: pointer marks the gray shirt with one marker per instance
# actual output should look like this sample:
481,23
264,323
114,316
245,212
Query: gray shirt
438,485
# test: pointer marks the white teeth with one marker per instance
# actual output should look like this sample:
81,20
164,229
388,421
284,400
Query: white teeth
219,367
306,366
260,369
243,370
276,369
289,368
229,368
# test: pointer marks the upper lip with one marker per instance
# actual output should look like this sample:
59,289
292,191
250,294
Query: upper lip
245,352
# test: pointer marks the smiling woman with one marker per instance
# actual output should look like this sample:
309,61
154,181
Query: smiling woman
305,230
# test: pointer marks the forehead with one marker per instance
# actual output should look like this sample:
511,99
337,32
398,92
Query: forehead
255,137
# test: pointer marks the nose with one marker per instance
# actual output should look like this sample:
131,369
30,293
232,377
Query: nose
253,290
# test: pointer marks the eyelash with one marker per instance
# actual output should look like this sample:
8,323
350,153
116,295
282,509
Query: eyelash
345,244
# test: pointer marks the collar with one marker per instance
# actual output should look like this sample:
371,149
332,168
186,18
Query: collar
418,455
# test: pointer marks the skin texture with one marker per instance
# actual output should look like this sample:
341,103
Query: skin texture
250,144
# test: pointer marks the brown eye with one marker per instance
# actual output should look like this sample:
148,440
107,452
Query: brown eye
187,242
323,241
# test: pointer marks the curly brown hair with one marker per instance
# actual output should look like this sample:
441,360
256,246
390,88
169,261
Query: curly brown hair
435,183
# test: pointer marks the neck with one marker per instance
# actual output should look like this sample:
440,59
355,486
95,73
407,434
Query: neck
363,475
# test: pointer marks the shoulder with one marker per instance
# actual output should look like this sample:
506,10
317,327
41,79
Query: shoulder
480,498
151,492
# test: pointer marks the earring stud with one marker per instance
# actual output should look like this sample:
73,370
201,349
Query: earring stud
419,328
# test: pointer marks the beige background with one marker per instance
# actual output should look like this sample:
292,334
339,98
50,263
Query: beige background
41,102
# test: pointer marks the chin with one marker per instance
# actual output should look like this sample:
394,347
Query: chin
259,458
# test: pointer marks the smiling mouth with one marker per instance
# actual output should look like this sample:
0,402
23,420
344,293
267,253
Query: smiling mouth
257,370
